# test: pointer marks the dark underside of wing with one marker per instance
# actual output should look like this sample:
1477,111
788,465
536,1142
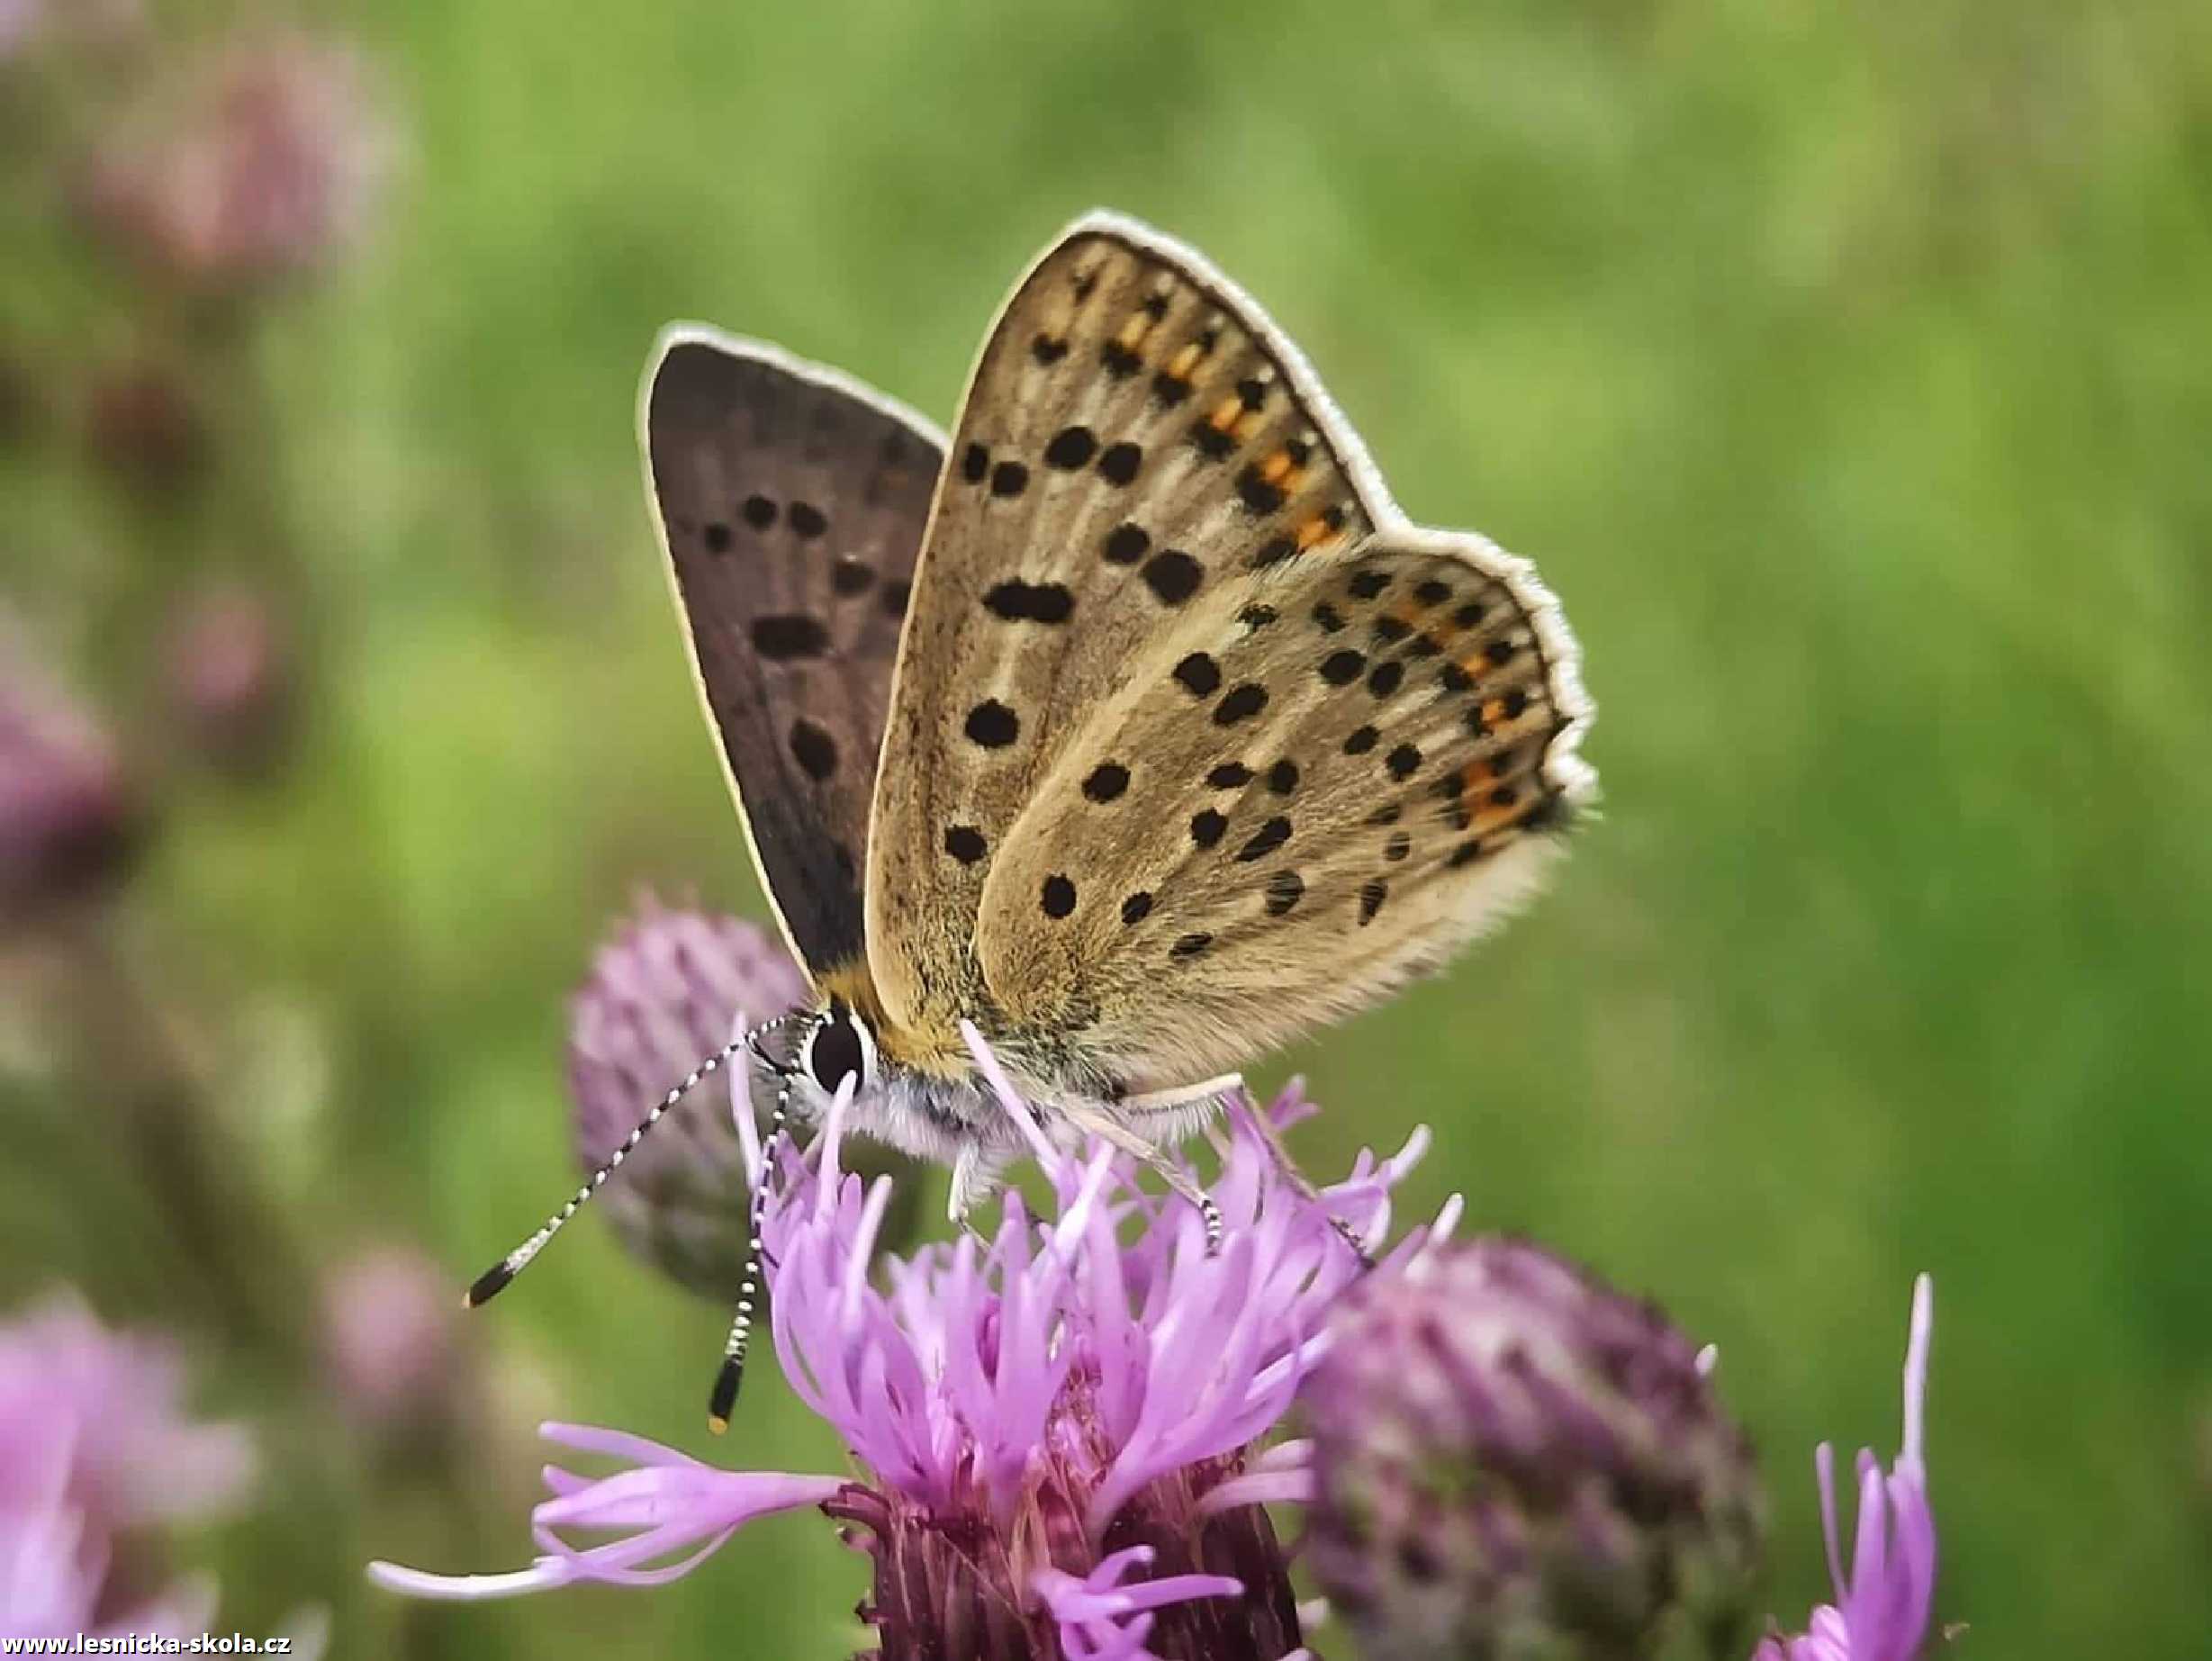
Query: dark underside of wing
792,505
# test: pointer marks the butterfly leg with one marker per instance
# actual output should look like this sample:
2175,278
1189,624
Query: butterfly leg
1183,1094
975,1179
1104,1124
1171,1115
1271,1137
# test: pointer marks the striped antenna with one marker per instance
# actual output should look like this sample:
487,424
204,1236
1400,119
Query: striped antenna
494,1281
723,1401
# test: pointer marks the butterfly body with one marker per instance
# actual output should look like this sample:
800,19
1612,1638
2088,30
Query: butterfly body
1131,724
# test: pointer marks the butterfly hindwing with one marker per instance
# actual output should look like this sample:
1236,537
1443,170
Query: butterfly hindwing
1136,440
1316,784
791,504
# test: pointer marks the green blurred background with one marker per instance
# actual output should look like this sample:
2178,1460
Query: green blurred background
1847,368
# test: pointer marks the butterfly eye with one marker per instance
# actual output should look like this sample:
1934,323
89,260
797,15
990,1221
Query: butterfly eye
837,1049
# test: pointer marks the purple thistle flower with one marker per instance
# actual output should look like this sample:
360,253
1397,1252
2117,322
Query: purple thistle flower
1058,1430
1513,1459
672,985
94,1448
1881,1612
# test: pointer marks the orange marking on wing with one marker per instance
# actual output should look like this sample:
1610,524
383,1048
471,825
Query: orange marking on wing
1184,360
1225,415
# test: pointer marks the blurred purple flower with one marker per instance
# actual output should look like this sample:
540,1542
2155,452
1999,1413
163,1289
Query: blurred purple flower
670,989
261,162
1060,1430
388,1340
1511,1457
67,817
230,678
1881,1612
94,1447
26,23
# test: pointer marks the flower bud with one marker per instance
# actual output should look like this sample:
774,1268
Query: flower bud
388,1340
1513,1459
67,817
230,678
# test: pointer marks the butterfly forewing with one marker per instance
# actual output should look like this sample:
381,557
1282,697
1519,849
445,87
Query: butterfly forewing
1325,780
791,504
1136,440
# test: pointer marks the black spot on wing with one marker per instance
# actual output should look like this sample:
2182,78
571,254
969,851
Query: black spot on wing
1241,703
1070,447
1198,674
1172,575
1371,896
1120,463
1016,601
1264,841
781,638
813,750
992,724
1126,543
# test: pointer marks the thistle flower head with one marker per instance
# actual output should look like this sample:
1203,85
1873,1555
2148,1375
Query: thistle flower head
1511,1459
668,989
258,164
1882,1605
94,1450
1058,1430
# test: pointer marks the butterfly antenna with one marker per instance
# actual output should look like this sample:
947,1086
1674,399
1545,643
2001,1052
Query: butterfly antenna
494,1281
731,1376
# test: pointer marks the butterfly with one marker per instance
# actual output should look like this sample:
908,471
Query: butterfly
1132,726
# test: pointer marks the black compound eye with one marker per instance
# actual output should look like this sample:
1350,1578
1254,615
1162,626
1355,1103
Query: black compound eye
836,1053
